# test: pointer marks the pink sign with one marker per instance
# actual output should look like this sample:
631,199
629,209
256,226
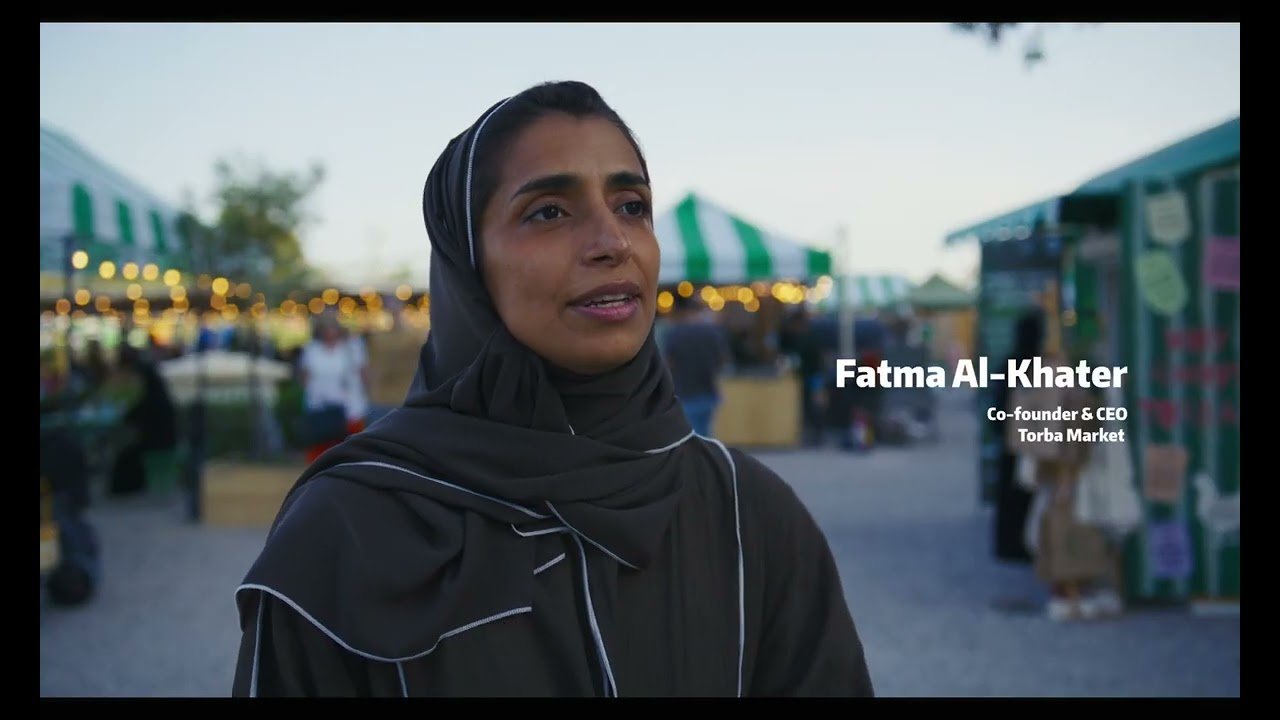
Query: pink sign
1222,263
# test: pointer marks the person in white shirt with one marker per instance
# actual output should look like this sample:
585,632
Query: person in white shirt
334,373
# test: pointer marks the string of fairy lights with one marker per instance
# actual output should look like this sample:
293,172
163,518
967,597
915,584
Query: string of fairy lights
166,301
222,299
748,296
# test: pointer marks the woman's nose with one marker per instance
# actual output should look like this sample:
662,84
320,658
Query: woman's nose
609,244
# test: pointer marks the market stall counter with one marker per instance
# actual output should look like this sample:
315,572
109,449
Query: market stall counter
759,409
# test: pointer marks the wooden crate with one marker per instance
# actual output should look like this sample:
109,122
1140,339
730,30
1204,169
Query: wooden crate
245,494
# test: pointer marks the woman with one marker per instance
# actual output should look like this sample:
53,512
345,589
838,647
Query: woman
538,518
151,422
334,376
1012,499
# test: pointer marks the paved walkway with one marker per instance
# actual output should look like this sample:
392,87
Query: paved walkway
906,527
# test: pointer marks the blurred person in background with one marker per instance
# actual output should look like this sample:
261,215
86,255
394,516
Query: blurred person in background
799,340
1012,498
696,352
95,367
63,385
333,370
64,468
64,474
851,411
538,517
1106,499
150,422
1072,555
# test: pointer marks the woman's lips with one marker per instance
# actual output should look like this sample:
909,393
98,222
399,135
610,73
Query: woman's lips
613,309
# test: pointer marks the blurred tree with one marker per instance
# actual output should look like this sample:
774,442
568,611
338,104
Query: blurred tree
196,238
1033,51
402,274
260,213
992,30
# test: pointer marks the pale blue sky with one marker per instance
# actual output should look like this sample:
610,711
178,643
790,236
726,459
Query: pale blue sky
901,132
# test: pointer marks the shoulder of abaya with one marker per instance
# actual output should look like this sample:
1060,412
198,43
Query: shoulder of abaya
323,519
771,509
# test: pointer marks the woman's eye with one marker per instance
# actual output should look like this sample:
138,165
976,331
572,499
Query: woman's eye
636,207
547,212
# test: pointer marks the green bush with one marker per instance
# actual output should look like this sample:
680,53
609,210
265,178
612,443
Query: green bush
228,429
289,407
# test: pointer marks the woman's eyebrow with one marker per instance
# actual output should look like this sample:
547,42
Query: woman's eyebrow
563,182
556,183
625,179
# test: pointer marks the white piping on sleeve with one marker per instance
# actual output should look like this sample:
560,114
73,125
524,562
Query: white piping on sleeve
737,520
548,564
346,646
257,649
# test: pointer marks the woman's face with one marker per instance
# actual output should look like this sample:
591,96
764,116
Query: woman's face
330,334
567,244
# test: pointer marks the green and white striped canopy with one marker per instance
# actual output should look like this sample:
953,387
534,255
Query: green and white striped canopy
112,217
869,292
701,242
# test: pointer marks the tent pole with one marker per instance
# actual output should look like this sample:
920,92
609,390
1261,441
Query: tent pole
845,310
69,282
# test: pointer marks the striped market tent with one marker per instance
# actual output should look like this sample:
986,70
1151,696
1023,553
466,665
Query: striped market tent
112,217
701,242
870,292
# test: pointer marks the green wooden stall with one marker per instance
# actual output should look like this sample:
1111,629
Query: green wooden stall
1149,277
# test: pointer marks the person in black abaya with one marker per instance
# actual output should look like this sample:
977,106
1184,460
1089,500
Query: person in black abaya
538,517
1012,500
151,422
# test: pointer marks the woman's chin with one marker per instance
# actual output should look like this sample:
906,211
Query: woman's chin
595,358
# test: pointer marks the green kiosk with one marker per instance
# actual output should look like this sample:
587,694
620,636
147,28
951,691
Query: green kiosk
1141,266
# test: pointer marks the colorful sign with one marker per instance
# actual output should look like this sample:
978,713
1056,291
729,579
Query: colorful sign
1222,263
1169,550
